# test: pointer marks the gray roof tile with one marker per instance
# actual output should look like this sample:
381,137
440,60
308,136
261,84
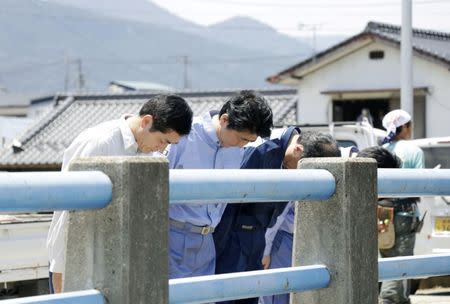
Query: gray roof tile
44,143
436,44
432,44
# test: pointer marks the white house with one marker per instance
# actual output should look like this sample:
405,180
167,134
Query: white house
18,112
120,86
363,72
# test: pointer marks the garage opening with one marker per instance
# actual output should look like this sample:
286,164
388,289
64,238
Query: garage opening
356,109
353,105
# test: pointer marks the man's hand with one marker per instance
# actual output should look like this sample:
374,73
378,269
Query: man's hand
266,261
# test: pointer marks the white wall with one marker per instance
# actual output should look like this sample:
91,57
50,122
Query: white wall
437,78
357,72
11,128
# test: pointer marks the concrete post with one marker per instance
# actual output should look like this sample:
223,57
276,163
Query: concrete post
340,233
121,250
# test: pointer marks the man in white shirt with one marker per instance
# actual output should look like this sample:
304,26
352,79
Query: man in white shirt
162,120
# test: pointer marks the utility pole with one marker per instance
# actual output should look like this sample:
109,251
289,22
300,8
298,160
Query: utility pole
186,76
406,92
313,28
66,76
80,78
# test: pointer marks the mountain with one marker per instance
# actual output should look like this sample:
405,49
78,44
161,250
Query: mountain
42,38
243,32
252,34
133,10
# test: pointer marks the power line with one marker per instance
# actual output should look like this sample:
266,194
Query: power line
185,74
319,5
210,60
32,67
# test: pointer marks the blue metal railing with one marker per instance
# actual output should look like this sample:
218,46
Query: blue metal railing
49,191
247,284
242,285
46,191
413,182
35,191
85,297
232,186
412,267
263,282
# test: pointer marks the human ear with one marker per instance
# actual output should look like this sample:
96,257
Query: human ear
147,122
299,150
224,119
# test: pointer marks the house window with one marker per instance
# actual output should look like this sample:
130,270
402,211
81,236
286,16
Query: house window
376,55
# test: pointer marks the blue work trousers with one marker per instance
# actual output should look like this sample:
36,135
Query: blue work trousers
243,252
191,254
280,257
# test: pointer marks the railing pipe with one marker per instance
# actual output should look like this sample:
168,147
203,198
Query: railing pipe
411,267
48,191
235,186
413,182
247,284
78,297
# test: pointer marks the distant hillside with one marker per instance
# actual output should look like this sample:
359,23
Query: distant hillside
133,10
252,34
242,32
39,36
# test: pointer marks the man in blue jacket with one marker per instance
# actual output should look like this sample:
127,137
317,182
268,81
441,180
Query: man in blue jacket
240,236
216,141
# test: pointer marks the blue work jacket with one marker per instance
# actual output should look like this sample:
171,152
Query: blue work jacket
268,155
201,149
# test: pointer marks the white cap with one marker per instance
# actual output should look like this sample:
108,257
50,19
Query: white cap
395,119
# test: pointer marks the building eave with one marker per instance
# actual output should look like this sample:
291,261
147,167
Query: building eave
370,93
293,75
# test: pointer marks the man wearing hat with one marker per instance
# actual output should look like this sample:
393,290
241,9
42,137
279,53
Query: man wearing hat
406,220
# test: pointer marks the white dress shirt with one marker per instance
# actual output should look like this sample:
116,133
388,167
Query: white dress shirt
111,138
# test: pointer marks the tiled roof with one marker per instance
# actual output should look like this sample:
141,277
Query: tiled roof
43,145
431,44
142,86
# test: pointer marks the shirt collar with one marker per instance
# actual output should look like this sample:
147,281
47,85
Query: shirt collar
209,128
129,142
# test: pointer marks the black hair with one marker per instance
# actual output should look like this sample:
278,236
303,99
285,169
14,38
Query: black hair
399,129
384,158
316,144
248,111
170,112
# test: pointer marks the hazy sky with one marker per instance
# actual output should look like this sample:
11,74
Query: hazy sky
327,16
